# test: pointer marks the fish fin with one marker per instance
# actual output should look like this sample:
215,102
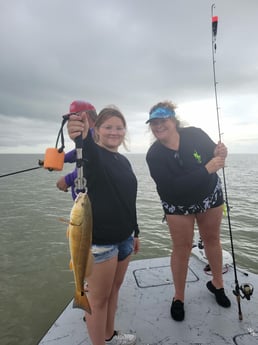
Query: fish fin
89,265
71,265
67,232
81,301
63,220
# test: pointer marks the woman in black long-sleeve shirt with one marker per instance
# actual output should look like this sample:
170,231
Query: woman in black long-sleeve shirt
112,189
184,162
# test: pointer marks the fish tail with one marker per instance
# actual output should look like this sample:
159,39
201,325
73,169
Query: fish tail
81,301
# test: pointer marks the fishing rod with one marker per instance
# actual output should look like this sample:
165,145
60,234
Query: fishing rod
246,289
24,170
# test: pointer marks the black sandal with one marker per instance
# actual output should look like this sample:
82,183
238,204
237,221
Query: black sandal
220,296
177,310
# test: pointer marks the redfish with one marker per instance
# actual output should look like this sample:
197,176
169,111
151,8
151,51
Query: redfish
80,239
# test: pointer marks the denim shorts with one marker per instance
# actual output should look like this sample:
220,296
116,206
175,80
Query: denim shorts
105,252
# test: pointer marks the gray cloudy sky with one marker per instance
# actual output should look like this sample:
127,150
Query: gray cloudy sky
132,53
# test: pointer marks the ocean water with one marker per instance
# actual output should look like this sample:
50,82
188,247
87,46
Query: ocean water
36,283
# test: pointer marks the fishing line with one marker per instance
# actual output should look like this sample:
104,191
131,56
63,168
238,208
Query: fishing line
244,287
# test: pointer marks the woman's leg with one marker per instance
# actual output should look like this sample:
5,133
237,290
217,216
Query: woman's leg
181,231
209,228
112,303
100,285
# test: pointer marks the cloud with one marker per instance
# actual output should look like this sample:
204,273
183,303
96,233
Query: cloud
129,53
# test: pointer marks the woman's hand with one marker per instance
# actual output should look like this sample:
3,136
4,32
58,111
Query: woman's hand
220,150
77,125
136,245
215,164
61,184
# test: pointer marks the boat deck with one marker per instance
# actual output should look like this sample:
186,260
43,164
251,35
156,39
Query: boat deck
144,309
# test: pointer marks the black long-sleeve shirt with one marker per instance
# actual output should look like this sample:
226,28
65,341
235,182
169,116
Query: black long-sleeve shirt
180,176
112,190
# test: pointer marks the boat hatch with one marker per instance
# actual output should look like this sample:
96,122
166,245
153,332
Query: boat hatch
158,276
250,338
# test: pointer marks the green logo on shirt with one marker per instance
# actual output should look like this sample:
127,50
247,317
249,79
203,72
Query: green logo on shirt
197,156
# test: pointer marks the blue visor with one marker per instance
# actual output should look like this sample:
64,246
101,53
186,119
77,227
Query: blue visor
161,113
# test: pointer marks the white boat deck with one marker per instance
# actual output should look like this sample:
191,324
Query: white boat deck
144,309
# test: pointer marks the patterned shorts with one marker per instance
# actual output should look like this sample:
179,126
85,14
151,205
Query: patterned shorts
215,199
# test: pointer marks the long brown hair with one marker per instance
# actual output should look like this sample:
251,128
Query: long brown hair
105,114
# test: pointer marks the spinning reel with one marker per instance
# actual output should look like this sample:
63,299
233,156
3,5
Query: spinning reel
246,289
